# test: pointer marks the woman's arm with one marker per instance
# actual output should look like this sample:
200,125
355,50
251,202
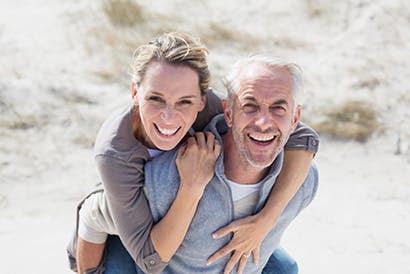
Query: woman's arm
249,232
195,163
152,246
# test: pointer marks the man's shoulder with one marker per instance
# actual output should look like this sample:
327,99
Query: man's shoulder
162,164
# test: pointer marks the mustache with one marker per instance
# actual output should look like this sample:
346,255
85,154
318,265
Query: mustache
270,130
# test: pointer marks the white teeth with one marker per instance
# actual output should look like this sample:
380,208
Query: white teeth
262,138
167,132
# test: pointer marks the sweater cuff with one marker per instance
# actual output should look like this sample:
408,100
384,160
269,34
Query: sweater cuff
153,263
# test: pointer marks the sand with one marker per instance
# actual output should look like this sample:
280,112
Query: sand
62,72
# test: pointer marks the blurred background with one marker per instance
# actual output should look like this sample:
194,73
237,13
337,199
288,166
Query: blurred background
64,67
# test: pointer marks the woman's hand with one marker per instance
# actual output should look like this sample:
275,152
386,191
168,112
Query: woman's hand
248,234
196,161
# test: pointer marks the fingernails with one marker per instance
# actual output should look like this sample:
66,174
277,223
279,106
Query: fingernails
214,235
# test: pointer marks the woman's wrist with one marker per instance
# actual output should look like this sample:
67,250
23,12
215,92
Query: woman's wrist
268,217
190,192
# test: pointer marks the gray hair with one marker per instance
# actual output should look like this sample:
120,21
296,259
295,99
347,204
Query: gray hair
232,80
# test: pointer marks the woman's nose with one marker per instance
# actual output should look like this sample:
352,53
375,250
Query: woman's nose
167,113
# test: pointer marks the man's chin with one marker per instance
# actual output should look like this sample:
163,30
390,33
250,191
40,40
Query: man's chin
261,162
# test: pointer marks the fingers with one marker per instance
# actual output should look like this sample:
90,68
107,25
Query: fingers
233,261
222,232
181,151
255,253
220,253
210,139
212,143
217,148
242,263
200,140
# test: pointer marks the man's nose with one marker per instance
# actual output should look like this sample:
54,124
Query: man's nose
264,118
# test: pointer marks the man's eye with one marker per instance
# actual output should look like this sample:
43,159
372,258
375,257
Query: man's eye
279,109
249,108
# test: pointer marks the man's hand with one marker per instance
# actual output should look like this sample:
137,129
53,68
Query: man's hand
248,234
196,161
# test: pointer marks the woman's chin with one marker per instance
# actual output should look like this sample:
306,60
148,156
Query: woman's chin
167,144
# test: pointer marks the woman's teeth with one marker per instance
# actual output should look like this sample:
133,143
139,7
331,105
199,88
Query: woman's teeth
167,132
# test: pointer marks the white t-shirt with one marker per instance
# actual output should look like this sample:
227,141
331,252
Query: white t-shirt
240,191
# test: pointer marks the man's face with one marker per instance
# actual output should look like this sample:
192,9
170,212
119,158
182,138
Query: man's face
262,115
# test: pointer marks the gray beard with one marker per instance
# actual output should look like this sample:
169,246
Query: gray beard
244,152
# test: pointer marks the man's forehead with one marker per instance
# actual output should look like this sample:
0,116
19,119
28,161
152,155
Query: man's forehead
265,84
259,70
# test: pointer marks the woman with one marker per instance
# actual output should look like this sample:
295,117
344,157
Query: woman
170,84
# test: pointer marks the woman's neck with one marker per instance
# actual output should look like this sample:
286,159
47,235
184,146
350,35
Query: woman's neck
138,130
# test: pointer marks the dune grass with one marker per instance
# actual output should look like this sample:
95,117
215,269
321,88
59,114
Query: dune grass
352,120
217,34
123,13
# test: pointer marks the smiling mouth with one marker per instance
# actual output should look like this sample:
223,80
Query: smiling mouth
262,139
167,132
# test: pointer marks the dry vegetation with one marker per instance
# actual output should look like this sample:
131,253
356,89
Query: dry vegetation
352,120
129,25
216,34
123,13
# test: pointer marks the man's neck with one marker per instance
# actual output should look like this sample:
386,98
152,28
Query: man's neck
235,166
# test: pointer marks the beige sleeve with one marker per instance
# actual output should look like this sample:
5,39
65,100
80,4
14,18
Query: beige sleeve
95,220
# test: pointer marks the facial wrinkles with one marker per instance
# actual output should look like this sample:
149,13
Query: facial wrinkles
264,91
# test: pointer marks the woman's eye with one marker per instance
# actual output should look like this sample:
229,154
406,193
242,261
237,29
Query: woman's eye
185,102
155,99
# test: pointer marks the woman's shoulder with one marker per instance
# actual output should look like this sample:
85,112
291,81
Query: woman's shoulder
115,137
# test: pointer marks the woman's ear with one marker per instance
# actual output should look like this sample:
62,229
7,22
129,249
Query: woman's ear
134,93
202,103
227,112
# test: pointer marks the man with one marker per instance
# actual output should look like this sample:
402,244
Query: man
260,112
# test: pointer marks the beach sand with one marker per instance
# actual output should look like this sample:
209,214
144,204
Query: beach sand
63,70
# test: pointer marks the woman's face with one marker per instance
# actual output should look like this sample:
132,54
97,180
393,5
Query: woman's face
168,100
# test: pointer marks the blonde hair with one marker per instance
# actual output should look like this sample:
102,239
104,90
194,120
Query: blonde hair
174,48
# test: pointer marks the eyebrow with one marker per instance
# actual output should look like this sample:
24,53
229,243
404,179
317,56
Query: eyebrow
248,97
277,102
183,97
281,102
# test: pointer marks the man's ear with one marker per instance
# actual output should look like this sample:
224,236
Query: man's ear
227,112
296,117
134,93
